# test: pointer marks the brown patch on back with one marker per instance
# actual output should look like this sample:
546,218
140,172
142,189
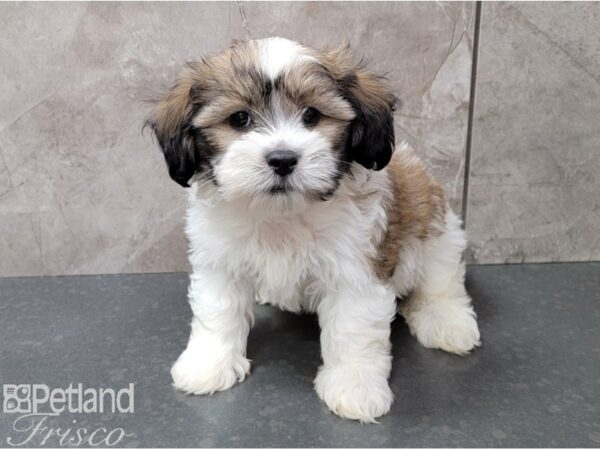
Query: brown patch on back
416,209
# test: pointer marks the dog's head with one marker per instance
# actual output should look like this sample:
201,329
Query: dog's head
271,118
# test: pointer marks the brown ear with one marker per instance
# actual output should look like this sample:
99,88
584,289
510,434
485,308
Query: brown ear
372,142
171,123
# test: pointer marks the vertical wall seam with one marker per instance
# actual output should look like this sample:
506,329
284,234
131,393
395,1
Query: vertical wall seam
471,115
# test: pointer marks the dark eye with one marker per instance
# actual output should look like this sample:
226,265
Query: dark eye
311,117
240,119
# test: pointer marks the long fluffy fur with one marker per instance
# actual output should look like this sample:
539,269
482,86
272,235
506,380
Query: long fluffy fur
355,228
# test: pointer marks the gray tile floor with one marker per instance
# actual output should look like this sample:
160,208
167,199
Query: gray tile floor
535,382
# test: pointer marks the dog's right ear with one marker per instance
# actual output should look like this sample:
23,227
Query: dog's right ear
171,123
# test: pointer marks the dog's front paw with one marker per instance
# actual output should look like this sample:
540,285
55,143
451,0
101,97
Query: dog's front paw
448,327
200,372
352,392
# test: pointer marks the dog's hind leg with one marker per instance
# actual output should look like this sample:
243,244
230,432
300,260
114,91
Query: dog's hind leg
439,311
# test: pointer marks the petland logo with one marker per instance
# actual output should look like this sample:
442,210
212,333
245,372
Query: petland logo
36,403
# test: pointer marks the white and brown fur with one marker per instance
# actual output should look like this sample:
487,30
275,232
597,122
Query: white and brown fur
353,227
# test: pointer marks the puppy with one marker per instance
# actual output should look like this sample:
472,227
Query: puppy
298,199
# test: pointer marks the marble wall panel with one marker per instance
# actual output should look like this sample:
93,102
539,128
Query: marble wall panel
83,191
534,192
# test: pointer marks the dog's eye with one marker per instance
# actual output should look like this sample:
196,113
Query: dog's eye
240,119
311,117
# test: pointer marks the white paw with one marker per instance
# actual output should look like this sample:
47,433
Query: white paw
201,372
445,325
354,392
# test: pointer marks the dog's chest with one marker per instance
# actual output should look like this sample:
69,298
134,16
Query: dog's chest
284,259
293,262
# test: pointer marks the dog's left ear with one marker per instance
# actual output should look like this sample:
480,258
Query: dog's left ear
372,131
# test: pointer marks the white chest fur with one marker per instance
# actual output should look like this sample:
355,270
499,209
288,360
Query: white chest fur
290,256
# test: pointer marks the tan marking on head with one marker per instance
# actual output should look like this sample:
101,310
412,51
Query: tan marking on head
371,90
309,84
231,81
334,130
416,209
221,136
175,108
224,83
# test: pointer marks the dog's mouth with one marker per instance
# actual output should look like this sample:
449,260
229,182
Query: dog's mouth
280,188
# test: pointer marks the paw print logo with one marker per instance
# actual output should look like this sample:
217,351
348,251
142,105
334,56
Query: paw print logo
11,404
17,398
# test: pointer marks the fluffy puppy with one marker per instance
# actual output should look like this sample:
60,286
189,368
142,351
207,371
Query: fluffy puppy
298,199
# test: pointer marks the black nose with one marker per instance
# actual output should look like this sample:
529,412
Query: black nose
282,161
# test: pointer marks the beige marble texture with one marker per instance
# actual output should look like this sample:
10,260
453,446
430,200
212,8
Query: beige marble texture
83,191
534,192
